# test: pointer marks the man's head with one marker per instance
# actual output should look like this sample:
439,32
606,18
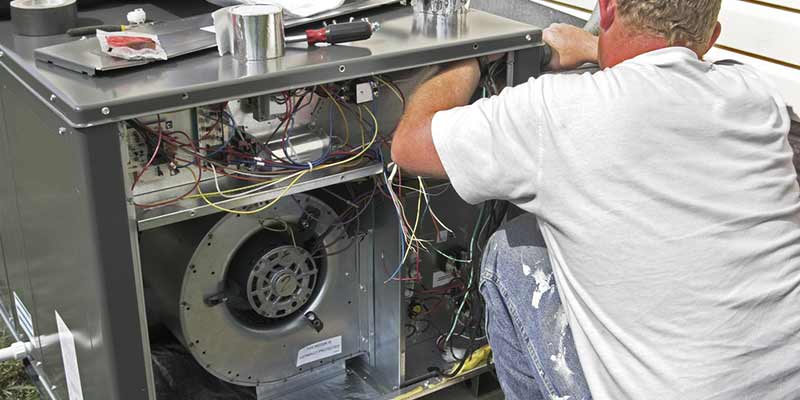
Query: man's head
633,27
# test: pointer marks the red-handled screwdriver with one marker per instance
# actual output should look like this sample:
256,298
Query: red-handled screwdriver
337,33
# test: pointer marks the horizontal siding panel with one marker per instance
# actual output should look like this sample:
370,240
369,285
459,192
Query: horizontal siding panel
791,4
761,30
575,10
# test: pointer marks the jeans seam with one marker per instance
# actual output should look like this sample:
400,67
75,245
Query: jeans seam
551,391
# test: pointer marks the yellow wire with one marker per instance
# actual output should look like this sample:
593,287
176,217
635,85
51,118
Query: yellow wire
341,112
299,175
396,93
285,228
414,230
285,178
361,125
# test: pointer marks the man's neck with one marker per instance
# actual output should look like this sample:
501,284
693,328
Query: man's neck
620,43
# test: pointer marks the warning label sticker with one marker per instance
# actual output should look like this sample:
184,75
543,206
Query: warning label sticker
319,350
24,316
69,356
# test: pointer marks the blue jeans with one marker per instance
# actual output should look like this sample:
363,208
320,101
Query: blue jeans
534,352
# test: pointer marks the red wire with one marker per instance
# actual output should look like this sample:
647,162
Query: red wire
152,158
198,179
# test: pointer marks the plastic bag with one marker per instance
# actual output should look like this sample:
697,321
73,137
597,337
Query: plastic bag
131,45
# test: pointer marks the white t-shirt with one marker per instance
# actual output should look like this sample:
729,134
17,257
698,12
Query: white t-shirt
667,197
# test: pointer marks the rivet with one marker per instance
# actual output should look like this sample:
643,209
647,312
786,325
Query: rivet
105,111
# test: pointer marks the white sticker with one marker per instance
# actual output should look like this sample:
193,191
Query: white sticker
441,278
70,358
318,351
24,316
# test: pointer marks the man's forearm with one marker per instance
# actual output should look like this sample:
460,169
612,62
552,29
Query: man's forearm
412,146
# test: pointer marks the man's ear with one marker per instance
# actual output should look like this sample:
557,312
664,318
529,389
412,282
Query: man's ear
608,12
714,36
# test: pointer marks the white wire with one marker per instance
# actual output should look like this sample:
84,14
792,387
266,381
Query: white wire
430,207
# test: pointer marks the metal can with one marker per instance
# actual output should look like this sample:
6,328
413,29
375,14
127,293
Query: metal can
257,32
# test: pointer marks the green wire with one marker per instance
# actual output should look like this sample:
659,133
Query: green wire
471,274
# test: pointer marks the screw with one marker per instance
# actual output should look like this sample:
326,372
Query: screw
528,37
62,131
475,46
2,54
342,68
363,289
38,363
346,274
53,97
105,111
53,387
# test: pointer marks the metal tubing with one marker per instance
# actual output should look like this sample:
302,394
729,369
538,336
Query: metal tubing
257,32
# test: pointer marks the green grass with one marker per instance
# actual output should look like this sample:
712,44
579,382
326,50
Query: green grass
14,383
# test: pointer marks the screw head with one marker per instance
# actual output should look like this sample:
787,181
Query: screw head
62,131
53,97
528,37
342,68
2,54
105,110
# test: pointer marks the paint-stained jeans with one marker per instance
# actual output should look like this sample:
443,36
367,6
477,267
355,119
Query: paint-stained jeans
534,352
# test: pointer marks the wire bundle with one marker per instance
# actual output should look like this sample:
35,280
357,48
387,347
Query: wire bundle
243,158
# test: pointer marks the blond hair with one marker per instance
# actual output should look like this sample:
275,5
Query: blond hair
687,23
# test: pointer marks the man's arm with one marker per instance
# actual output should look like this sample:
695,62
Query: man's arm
412,146
572,46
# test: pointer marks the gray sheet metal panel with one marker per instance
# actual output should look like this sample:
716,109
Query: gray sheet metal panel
76,240
11,228
5,181
389,360
168,86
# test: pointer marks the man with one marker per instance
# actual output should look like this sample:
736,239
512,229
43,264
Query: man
665,194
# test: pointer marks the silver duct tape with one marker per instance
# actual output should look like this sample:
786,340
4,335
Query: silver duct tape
43,17
440,7
257,32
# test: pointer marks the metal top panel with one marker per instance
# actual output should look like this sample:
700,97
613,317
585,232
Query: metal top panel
205,78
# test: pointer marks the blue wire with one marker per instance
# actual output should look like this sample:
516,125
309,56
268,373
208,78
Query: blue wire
399,218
